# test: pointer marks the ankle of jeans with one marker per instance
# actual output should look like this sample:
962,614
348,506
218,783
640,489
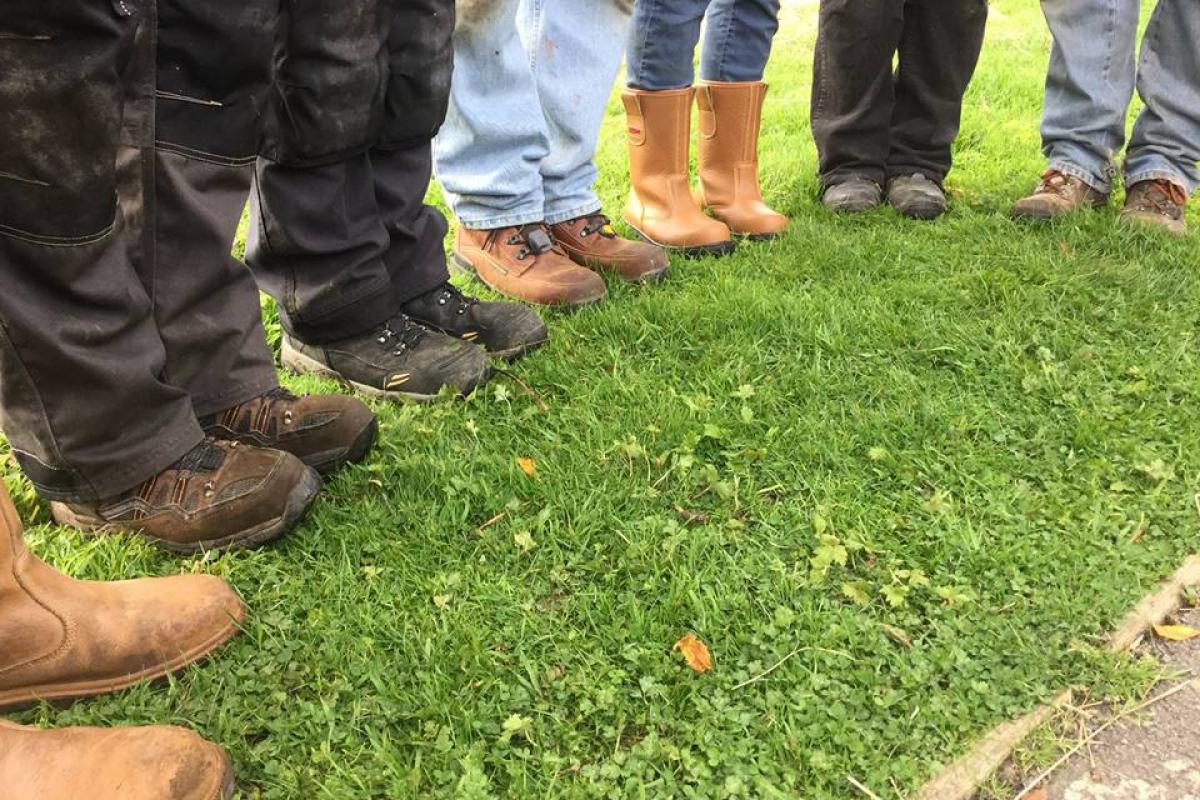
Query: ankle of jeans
1153,174
1099,183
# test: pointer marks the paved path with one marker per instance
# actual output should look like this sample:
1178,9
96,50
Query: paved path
1154,755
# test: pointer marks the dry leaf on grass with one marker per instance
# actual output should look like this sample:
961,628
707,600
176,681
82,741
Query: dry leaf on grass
528,466
1176,633
896,635
695,653
1037,794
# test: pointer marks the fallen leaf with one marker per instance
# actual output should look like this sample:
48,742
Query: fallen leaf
692,517
898,636
1176,633
528,466
1037,794
442,601
695,653
524,540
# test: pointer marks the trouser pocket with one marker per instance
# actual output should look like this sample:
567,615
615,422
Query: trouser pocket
60,118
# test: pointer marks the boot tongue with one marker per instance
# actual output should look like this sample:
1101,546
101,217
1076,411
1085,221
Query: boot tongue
537,238
204,457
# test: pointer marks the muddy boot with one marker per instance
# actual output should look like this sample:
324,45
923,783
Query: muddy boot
399,360
916,196
1058,194
661,207
730,122
525,263
153,763
62,639
853,196
220,496
1156,204
504,330
591,241
325,431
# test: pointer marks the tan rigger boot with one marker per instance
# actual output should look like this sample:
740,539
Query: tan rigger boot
730,123
157,763
661,207
62,639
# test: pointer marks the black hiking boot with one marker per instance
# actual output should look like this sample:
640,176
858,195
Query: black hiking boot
505,330
400,359
916,196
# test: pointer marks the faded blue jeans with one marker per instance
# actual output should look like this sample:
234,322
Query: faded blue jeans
1092,77
531,82
664,35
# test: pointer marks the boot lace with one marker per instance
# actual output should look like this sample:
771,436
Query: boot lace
1054,182
535,240
452,294
399,334
1162,197
598,223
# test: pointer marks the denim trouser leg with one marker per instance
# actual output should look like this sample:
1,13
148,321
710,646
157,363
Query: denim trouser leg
1166,138
575,49
489,153
662,43
737,41
1089,86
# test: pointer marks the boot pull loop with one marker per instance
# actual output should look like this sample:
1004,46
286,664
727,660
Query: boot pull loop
708,112
635,126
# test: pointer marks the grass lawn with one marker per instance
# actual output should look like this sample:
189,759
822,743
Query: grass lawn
931,463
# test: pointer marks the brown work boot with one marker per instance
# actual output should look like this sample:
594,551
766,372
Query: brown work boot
1058,194
661,207
153,763
62,639
730,123
220,496
590,241
324,431
1156,203
525,263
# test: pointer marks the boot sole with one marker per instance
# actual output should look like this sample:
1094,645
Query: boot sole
463,266
14,700
333,460
298,503
301,364
717,249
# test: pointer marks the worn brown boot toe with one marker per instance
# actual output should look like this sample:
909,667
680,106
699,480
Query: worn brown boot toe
220,496
1158,204
1058,194
526,263
591,241
151,763
63,639
325,431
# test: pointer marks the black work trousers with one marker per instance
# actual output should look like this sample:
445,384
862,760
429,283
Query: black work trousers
874,121
340,235
128,130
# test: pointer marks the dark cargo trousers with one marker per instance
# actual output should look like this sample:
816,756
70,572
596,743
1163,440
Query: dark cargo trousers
875,122
340,233
127,135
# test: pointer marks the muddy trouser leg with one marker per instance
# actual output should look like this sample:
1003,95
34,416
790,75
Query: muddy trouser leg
83,394
340,233
853,91
938,53
214,61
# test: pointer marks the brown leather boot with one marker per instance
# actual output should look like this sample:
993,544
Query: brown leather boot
591,242
525,263
153,763
1058,194
62,639
1156,203
220,496
325,431
730,122
661,206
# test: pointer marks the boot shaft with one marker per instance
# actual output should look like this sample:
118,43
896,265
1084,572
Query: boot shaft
12,542
730,121
659,127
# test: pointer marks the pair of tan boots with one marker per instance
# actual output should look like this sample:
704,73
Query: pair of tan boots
662,206
62,639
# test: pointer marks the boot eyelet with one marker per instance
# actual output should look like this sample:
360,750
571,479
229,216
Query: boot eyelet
287,418
209,488
523,254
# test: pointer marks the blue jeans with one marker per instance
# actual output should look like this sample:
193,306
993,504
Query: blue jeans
1092,77
737,41
532,79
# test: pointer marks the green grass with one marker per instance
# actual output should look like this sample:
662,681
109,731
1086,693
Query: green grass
992,425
